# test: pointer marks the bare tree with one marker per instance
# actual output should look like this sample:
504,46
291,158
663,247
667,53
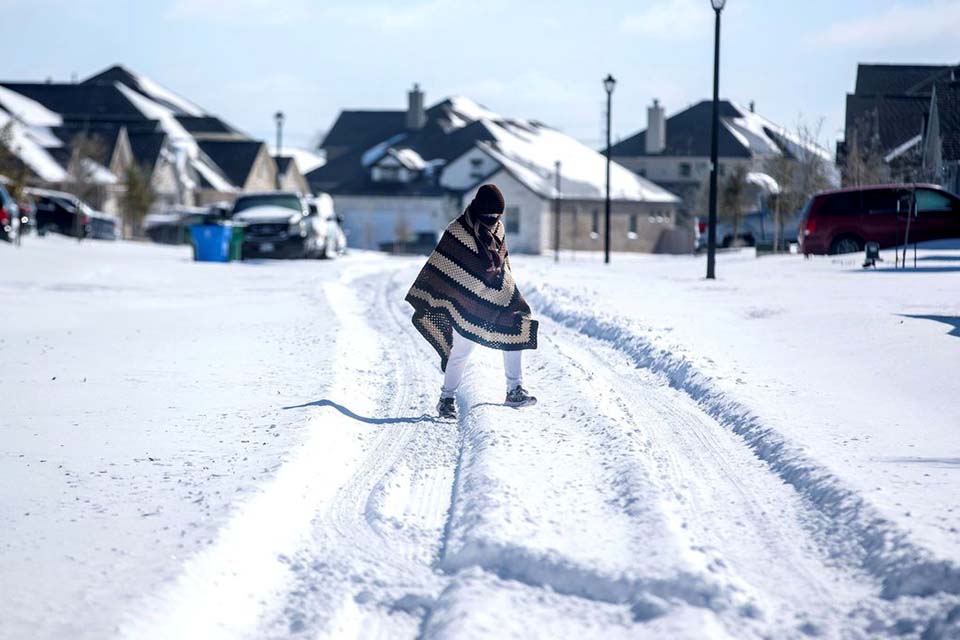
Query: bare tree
733,196
11,166
137,199
862,162
87,155
783,169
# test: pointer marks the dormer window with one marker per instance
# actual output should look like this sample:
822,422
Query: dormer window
397,165
389,174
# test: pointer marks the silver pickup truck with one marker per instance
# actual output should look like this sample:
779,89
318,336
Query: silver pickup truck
756,229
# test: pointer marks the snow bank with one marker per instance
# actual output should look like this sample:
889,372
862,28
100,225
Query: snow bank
881,547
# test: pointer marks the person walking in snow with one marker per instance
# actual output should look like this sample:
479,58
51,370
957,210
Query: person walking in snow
466,295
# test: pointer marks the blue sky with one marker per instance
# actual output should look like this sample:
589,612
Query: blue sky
244,59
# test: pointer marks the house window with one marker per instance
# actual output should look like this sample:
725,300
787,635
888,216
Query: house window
595,224
511,219
386,174
632,227
685,170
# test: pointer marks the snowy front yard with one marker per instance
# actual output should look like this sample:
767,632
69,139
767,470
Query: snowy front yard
248,450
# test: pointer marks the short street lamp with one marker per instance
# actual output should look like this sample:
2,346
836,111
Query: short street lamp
278,117
714,126
608,84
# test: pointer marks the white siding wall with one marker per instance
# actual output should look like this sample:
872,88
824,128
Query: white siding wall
369,220
534,228
467,169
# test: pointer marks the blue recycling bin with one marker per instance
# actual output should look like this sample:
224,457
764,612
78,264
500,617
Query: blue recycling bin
211,243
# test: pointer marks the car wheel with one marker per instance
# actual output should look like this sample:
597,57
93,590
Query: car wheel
846,244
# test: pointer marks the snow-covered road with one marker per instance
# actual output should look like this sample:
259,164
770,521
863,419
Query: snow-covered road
623,505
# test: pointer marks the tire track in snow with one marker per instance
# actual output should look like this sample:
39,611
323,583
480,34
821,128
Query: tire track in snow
224,590
368,570
872,542
745,520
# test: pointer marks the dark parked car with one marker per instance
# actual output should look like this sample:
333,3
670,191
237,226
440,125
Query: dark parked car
173,226
9,217
844,220
64,213
282,224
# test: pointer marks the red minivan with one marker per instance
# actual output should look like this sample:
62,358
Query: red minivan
844,220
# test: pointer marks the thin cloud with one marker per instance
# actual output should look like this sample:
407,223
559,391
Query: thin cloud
900,24
671,20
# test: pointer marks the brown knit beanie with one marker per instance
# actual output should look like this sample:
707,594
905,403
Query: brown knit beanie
488,202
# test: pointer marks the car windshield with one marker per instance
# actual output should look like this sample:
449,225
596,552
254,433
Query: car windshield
286,200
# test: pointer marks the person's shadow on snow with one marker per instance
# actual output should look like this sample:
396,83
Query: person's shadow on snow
355,416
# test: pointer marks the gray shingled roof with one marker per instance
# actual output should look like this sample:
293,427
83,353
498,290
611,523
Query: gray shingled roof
898,118
892,79
948,110
688,134
89,102
357,127
234,157
436,141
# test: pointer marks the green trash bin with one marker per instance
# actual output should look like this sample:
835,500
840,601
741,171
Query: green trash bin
236,242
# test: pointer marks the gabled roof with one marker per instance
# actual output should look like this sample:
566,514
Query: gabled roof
947,95
742,134
283,163
146,87
688,134
146,148
895,119
106,134
79,101
235,158
526,149
206,124
891,79
356,127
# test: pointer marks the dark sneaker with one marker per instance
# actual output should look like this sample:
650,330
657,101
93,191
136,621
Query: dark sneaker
519,398
447,409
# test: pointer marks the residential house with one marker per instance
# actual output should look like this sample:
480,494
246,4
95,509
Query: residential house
674,152
399,175
941,144
134,119
886,117
246,164
291,178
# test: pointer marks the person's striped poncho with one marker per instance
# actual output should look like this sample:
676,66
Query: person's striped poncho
454,292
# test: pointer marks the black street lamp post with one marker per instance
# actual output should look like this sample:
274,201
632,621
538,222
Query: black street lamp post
278,118
714,126
608,83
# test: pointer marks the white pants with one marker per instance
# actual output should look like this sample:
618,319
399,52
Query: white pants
460,353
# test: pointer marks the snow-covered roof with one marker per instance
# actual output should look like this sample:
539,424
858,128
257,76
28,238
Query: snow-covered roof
529,150
898,151
306,160
181,140
763,137
29,147
408,158
28,111
763,180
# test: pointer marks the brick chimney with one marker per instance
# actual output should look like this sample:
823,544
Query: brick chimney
416,116
656,140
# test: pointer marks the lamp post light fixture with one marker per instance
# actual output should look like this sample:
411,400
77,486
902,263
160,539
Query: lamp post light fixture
608,84
714,127
278,117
